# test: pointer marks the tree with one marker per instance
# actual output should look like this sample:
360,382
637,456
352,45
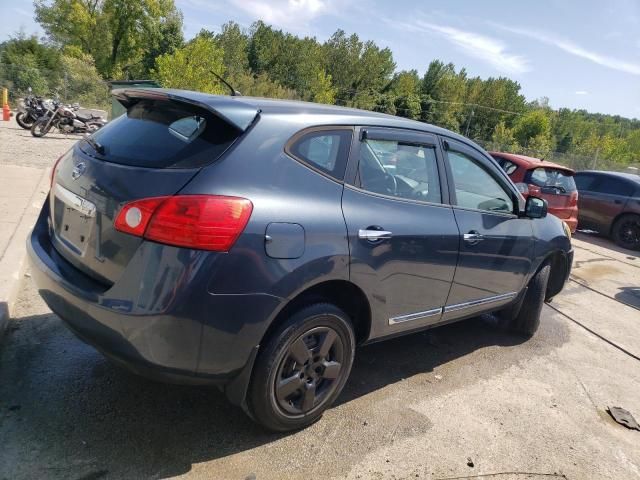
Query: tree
116,33
534,123
321,89
25,62
190,67
359,71
235,44
82,83
502,139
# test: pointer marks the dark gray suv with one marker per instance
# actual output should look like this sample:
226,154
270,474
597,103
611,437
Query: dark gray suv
253,243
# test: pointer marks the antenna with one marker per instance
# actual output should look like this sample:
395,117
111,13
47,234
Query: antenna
234,92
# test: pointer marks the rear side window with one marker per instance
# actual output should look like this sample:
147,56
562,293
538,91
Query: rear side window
162,134
584,181
508,166
324,150
551,177
613,186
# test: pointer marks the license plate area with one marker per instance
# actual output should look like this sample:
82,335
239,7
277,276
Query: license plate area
74,219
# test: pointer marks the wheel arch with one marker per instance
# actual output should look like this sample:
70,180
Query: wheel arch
342,293
559,272
618,217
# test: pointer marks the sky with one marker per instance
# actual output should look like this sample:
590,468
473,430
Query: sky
578,53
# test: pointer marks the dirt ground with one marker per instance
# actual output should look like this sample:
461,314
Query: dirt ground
466,400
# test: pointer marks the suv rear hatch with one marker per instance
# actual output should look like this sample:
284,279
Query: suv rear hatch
556,186
153,150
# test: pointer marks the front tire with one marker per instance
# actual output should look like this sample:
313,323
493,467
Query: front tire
523,317
24,120
40,128
302,368
626,231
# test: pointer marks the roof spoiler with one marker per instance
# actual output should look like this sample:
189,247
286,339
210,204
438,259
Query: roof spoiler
230,109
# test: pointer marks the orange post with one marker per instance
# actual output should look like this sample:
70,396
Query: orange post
6,112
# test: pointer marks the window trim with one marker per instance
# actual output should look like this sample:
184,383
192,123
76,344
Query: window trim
321,128
394,134
493,170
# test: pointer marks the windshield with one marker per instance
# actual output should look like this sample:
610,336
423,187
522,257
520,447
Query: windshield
552,177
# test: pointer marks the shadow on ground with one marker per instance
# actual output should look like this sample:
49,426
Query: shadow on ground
66,412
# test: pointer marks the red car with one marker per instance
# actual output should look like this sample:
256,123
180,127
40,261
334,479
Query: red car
544,179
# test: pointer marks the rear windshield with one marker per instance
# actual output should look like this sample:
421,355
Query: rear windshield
551,177
162,134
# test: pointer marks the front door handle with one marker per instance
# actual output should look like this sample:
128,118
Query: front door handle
473,237
373,235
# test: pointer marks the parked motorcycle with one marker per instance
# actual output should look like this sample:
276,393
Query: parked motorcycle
32,108
66,120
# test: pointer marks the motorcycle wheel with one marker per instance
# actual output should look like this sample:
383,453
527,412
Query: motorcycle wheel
40,128
24,120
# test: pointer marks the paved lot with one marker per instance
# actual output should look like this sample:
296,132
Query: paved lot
419,406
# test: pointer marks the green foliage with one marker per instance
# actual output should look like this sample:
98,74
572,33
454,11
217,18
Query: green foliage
25,62
190,67
533,124
235,44
83,84
123,36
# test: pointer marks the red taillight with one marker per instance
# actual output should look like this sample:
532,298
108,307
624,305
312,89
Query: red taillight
206,222
135,216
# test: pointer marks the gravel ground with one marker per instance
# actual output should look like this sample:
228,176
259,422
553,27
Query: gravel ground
19,147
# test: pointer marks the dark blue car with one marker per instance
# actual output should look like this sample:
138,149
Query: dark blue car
253,243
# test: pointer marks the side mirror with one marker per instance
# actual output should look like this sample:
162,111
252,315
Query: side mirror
535,207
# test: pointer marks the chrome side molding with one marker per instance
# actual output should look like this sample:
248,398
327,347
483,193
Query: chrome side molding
480,301
415,316
452,308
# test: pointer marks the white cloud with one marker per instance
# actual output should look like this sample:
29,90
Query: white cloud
576,50
291,14
582,92
488,49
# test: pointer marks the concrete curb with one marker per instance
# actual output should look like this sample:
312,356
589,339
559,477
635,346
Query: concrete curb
14,261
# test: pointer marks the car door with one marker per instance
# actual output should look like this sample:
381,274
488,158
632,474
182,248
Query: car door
606,198
495,244
587,199
403,237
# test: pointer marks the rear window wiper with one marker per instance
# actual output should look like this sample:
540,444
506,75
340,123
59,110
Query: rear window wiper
98,147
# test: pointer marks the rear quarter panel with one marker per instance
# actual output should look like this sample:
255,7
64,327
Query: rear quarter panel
281,190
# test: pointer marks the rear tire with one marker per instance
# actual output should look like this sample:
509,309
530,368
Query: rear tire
302,368
626,231
523,317
24,120
39,128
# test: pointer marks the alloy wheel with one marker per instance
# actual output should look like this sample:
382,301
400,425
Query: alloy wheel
309,371
629,233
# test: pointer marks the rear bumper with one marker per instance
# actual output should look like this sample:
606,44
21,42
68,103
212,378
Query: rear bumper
160,323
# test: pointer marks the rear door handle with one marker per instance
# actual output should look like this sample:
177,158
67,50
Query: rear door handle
473,237
369,234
